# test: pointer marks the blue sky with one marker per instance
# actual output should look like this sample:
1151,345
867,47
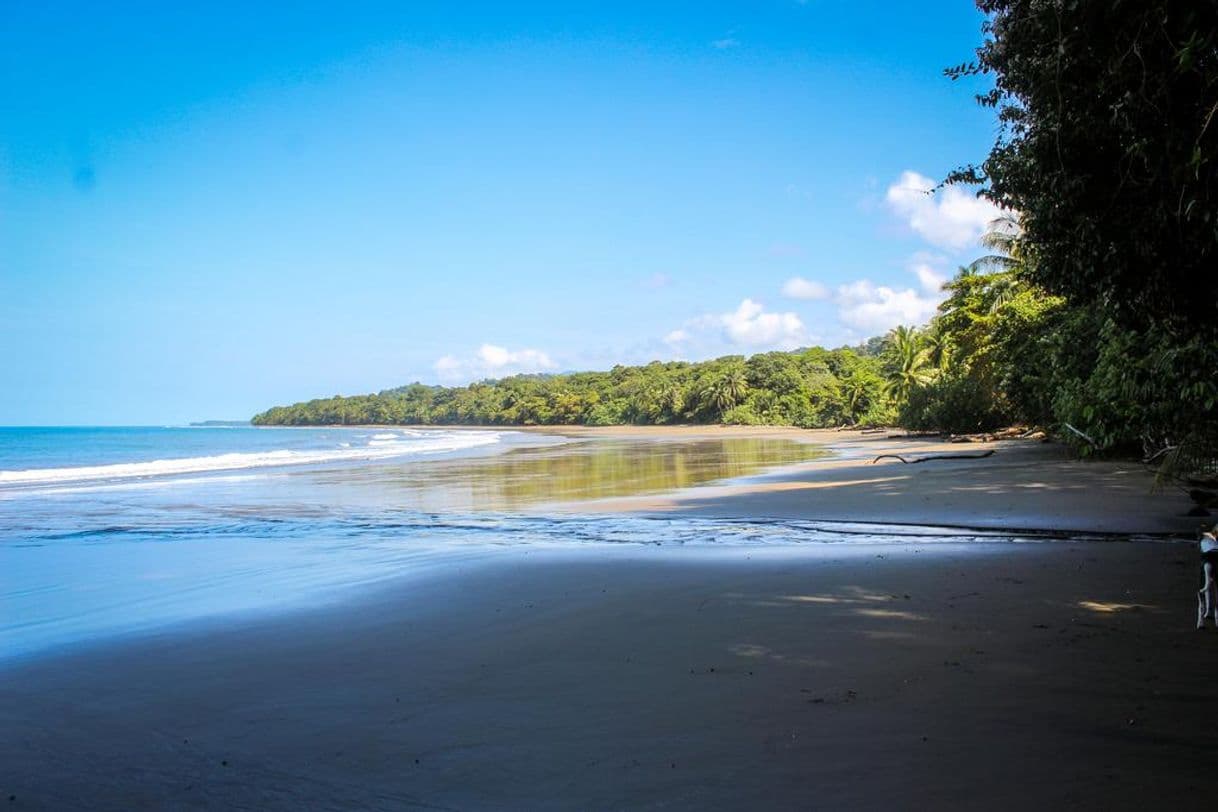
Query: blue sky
207,211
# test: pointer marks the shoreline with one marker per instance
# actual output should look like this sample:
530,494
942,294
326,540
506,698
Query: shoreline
1026,486
1008,491
935,673
1107,497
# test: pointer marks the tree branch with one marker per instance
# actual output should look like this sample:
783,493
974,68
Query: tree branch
916,460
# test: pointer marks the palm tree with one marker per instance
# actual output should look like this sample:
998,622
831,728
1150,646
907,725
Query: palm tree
937,346
855,395
909,363
673,399
765,404
1003,238
728,389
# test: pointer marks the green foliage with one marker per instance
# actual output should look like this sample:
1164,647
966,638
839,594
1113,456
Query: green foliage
1107,326
741,416
810,388
906,363
1109,149
991,356
1146,390
955,402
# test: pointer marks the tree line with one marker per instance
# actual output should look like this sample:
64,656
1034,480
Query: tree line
992,355
812,387
1107,149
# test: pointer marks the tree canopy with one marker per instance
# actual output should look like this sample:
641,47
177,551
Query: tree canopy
812,388
1108,149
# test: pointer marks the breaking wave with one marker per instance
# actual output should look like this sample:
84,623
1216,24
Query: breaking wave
378,447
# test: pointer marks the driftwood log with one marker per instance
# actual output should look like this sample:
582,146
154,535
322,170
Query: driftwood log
916,460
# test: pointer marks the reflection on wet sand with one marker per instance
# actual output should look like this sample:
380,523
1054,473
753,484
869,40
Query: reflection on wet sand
578,470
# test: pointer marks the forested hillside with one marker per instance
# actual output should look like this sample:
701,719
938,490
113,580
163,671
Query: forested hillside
813,387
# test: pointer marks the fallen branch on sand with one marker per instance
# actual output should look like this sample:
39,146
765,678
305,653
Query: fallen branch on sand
1082,434
916,460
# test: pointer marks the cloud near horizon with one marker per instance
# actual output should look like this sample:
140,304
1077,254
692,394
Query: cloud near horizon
799,288
750,325
493,361
950,217
863,305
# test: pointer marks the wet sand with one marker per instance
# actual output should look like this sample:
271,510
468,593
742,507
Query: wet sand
590,464
909,676
1024,485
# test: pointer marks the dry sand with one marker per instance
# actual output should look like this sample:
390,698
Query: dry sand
1063,674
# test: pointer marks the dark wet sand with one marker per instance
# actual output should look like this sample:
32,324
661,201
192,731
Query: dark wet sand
998,676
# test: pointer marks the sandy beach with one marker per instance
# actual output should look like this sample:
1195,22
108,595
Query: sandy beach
1024,485
410,406
906,675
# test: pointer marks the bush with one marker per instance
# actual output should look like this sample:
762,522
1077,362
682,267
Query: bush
957,404
1147,390
607,414
741,416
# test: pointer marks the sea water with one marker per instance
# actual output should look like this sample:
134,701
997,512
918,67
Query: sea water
113,531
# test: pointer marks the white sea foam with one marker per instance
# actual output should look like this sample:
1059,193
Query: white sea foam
420,443
120,485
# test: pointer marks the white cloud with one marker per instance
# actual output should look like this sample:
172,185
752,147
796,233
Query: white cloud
950,218
493,361
930,279
923,265
501,358
657,281
878,308
799,288
447,365
748,326
725,43
866,306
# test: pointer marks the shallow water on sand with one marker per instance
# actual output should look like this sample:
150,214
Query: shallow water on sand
141,528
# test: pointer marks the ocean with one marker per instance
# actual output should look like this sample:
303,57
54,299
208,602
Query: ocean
114,532
111,531
107,532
